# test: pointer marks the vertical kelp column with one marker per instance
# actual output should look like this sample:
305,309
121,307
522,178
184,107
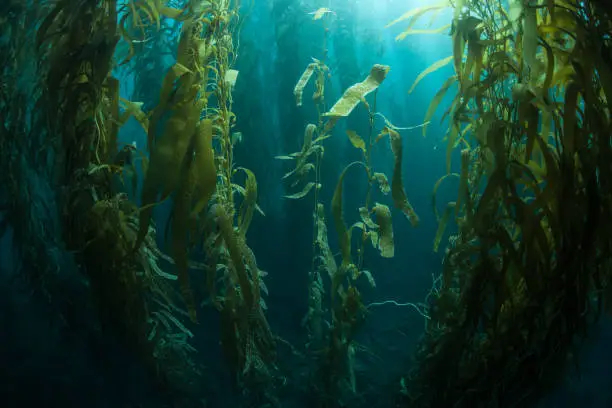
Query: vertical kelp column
190,164
528,271
80,109
190,142
332,344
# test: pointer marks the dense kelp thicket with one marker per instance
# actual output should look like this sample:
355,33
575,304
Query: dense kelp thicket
528,271
130,214
63,124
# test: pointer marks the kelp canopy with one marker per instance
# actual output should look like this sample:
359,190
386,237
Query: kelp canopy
148,241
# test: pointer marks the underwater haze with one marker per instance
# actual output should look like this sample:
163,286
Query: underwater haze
305,203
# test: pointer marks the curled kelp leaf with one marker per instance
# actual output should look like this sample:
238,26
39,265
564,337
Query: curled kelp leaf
357,93
302,82
237,188
433,105
304,191
308,148
432,68
400,200
245,214
356,140
442,225
435,191
369,277
385,230
365,217
383,183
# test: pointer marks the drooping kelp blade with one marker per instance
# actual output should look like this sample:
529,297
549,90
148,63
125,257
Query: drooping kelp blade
357,93
204,162
414,14
245,214
438,30
435,191
432,68
385,230
356,140
302,82
304,191
400,200
167,156
344,238
433,105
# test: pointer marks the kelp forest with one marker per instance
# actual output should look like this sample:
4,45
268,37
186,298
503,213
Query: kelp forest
238,203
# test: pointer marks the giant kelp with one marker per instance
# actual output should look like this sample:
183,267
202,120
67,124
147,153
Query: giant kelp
334,349
80,111
525,274
526,269
191,144
190,165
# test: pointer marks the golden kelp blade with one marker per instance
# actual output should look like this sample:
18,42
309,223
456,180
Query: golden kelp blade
436,101
226,229
317,15
383,219
303,81
245,214
416,13
206,179
432,68
438,30
357,93
356,140
304,191
163,172
301,165
344,239
435,191
400,200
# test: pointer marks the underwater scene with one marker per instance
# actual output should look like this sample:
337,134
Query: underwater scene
305,203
